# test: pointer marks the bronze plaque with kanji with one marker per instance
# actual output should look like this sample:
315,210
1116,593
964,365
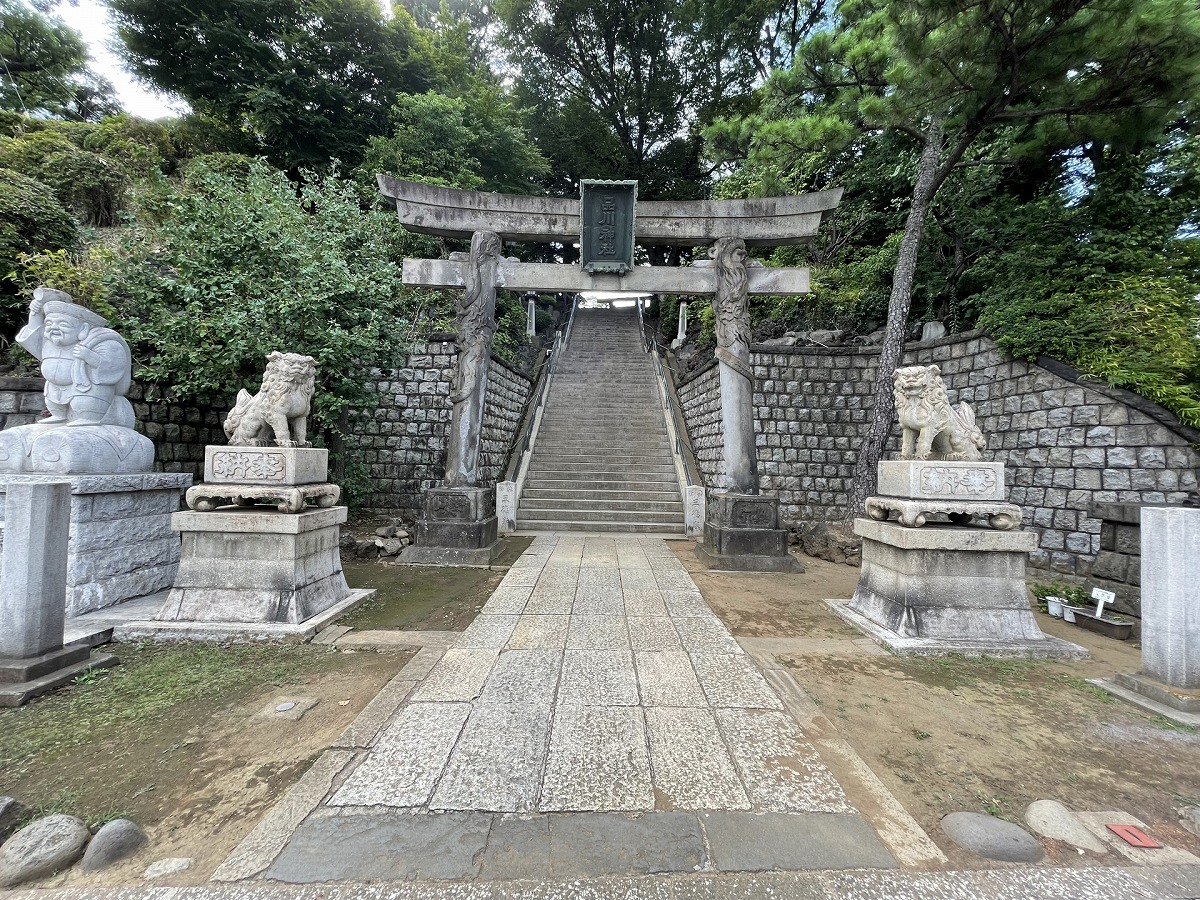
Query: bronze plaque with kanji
606,214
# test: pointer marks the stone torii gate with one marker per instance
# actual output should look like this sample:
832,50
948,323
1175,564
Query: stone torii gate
459,522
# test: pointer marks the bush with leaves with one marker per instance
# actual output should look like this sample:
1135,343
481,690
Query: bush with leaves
90,186
31,220
226,269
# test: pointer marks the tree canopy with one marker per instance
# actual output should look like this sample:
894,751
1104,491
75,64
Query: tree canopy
45,70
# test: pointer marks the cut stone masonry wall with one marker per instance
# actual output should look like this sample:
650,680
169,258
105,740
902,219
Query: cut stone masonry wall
1067,443
400,436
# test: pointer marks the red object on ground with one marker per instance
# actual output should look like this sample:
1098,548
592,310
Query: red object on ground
1134,836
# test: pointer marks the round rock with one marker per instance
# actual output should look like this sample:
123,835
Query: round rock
168,866
42,848
11,811
1051,819
113,842
992,838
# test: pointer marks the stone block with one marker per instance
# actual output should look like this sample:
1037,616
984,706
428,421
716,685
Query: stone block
255,567
945,583
33,569
1170,616
265,465
918,479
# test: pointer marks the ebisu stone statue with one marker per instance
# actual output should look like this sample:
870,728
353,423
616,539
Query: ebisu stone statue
930,427
278,414
88,371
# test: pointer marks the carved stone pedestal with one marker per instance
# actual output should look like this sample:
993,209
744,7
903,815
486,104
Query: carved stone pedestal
741,533
936,590
289,477
457,528
257,566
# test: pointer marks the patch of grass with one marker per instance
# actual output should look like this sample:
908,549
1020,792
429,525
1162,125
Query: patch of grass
152,679
921,735
1168,725
955,670
1082,684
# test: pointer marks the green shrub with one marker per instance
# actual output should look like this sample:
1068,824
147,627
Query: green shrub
89,185
31,221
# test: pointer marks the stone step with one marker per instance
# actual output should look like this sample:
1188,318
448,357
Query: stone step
600,442
606,527
615,495
600,471
585,485
583,461
583,514
605,510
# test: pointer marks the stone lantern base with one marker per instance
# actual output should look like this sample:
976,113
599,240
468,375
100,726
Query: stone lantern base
741,534
458,527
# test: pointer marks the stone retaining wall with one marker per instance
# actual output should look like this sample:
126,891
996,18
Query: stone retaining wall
399,438
1067,442
21,401
402,440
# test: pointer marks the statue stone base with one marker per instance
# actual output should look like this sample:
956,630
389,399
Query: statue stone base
949,589
257,566
121,545
741,533
75,450
458,527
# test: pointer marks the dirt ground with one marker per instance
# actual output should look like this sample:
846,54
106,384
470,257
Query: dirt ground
174,738
984,735
182,738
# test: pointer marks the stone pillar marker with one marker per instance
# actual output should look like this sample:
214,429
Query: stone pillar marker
458,519
1170,602
33,592
742,529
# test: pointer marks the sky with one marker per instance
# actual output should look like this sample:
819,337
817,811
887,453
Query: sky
90,18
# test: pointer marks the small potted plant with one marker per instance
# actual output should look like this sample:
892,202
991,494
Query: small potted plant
1074,599
1050,597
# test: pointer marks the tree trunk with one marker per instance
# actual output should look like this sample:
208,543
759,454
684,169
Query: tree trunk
897,322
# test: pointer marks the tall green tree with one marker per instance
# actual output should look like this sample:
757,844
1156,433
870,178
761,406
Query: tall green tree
309,80
44,68
949,74
623,88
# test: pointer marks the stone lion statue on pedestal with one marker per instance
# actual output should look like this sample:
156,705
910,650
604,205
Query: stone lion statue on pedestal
278,413
930,427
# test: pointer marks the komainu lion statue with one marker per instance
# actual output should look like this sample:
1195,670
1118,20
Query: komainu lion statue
930,426
278,413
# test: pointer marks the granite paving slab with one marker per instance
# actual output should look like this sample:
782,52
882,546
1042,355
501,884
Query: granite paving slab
652,633
405,763
582,725
598,760
497,762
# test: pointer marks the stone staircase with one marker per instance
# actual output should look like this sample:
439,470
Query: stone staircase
602,460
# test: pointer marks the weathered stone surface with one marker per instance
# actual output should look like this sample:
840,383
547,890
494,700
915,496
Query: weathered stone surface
115,841
943,480
459,675
498,761
666,678
598,678
1170,616
267,465
779,767
745,842
731,679
43,847
992,838
407,759
11,812
692,768
597,760
172,865
1051,819
33,569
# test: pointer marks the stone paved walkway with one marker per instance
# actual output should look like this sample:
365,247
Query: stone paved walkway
596,678
596,718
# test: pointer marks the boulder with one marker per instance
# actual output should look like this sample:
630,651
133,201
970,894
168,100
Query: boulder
825,541
992,838
389,546
387,531
11,811
41,848
115,841
1051,819
824,336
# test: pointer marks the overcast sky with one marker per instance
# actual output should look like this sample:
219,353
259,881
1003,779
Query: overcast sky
90,19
